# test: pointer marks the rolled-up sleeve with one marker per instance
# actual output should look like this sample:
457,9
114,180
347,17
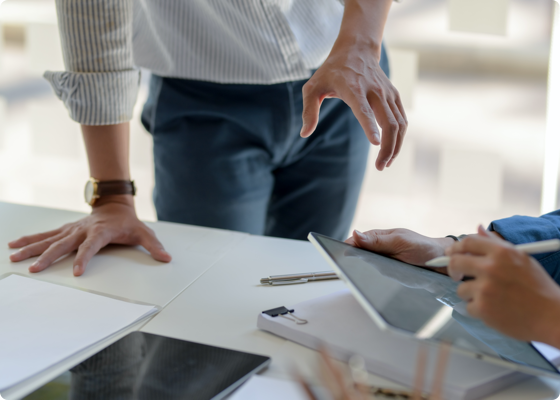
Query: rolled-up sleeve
100,84
522,229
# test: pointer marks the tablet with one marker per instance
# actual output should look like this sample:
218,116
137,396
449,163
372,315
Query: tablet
423,304
146,366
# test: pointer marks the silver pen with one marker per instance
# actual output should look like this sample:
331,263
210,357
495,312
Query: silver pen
292,279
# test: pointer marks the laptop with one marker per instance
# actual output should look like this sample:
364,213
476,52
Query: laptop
422,304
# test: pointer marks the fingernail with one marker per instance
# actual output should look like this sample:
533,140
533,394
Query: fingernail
76,269
360,234
456,277
302,129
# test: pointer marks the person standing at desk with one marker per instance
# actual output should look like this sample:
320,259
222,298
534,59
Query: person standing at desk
229,97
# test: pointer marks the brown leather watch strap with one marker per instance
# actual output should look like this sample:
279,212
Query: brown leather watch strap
106,188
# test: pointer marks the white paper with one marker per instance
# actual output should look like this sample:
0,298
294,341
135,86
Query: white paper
260,387
42,323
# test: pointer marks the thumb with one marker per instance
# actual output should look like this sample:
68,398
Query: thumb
370,241
310,114
482,231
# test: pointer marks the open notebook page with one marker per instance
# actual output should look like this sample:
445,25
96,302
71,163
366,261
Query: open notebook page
43,323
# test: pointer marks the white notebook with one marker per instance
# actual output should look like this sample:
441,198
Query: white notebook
42,323
339,321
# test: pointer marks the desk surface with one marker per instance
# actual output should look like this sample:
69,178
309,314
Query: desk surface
210,292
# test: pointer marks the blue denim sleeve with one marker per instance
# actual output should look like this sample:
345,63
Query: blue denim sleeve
520,229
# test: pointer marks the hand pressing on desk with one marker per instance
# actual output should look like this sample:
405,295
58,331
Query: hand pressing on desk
111,221
113,217
510,292
401,244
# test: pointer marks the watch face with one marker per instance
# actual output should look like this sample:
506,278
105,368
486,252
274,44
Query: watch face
88,192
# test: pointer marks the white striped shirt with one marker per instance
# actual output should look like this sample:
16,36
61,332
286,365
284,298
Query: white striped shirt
224,41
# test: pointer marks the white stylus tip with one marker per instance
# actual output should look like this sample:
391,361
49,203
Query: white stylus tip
438,262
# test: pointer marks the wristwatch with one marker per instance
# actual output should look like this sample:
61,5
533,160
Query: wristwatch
95,189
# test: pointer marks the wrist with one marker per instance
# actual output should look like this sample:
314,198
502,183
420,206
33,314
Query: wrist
123,199
348,41
444,243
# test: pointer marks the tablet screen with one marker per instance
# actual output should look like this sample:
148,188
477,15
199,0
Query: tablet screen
424,303
146,366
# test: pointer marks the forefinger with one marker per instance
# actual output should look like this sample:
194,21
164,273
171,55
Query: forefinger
25,240
461,265
476,244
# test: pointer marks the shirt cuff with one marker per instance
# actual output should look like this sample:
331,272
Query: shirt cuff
99,98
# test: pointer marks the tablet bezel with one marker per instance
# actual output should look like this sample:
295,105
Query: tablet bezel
384,325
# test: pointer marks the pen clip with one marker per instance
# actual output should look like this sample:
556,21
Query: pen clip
289,282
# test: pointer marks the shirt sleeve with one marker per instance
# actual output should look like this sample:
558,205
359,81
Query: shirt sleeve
521,229
100,84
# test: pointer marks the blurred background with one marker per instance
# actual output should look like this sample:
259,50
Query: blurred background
475,94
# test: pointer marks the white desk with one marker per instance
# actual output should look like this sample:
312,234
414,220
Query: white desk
218,297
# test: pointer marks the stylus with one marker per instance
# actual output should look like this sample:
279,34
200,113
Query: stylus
544,246
298,278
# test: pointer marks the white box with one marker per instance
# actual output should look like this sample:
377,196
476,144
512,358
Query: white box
479,16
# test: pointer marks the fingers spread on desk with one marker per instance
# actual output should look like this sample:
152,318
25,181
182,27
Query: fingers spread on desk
87,250
35,249
26,240
150,242
56,250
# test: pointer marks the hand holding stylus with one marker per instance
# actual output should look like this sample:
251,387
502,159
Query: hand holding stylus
511,292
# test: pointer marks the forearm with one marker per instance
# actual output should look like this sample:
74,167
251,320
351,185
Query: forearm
363,23
107,149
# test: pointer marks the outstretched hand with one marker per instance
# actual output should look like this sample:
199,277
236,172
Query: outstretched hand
112,222
352,73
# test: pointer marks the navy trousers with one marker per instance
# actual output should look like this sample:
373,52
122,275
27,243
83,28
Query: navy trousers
230,157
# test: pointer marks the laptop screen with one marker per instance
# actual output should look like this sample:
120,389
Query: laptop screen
424,303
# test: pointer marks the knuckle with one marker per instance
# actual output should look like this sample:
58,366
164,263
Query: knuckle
97,230
486,290
378,91
393,126
366,110
466,242
309,87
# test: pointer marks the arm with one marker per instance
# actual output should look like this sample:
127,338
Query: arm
521,229
352,73
99,89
